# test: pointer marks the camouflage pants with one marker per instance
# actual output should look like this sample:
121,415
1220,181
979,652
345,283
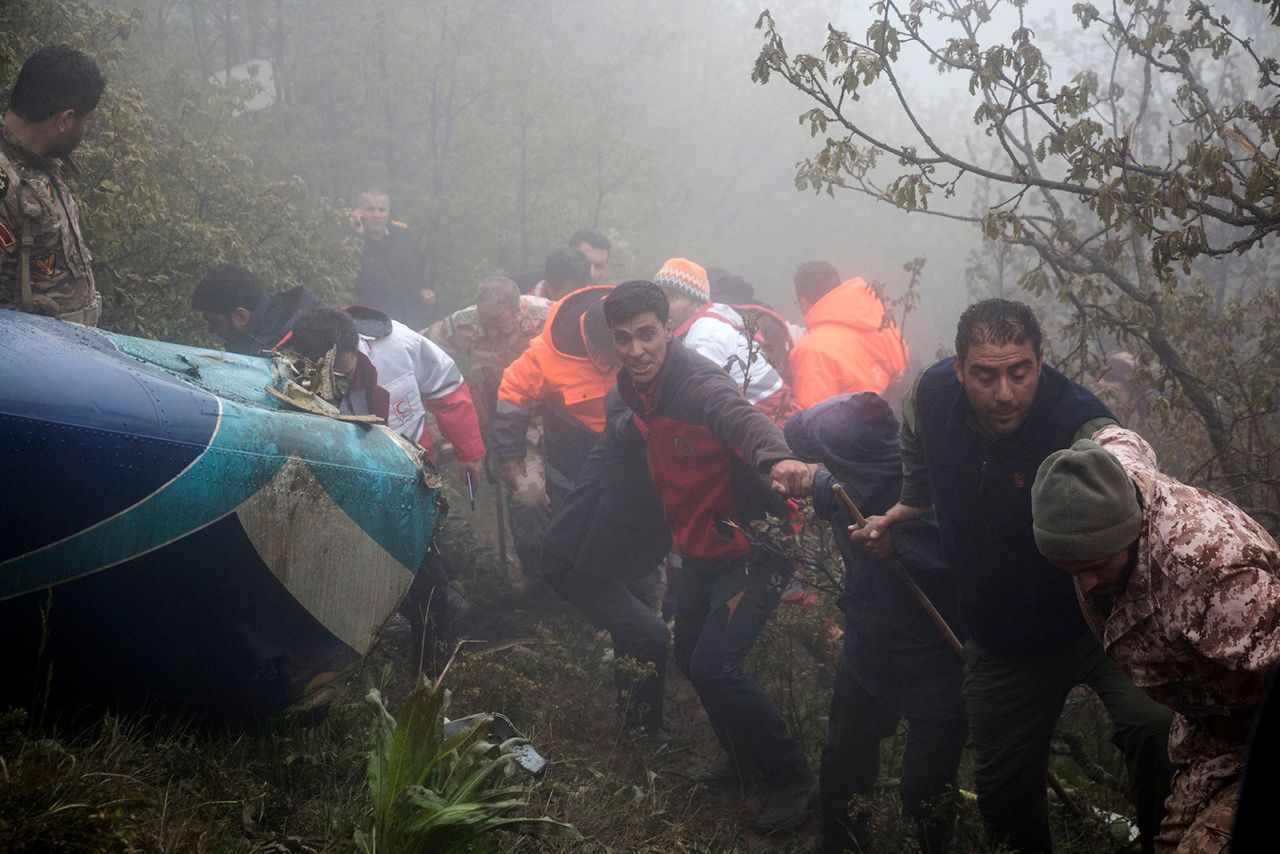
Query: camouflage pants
1196,827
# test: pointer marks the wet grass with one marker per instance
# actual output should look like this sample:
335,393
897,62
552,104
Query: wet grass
154,784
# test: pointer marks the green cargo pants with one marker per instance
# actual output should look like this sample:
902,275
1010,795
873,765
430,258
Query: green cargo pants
1014,705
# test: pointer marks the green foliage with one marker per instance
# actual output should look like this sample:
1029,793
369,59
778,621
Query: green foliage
1136,204
433,792
166,183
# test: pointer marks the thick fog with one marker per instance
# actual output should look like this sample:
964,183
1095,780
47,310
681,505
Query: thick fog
501,127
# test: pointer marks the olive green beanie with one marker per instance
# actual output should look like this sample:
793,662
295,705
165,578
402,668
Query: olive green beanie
1083,505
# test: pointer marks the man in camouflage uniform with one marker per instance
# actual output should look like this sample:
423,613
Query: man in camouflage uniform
485,338
1181,587
45,265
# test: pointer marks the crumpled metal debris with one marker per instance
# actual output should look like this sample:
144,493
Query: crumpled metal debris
501,729
312,387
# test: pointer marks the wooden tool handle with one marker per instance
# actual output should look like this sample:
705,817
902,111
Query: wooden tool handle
858,518
921,596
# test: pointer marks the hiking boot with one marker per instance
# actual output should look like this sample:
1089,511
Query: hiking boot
785,809
723,773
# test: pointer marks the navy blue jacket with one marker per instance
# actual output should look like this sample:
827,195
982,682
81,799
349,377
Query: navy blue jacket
1012,600
890,640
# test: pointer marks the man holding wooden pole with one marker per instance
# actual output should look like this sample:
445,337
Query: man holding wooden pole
975,429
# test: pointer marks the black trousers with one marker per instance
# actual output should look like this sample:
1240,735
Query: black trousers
628,611
859,720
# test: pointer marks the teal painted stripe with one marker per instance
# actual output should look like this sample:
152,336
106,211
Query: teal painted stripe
366,473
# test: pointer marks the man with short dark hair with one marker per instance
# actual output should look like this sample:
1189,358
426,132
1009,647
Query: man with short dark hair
248,320
974,430
595,247
45,265
1183,589
718,464
848,346
567,270
393,267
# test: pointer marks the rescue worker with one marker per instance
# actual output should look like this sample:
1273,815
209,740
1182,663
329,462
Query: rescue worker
895,663
485,338
45,264
394,373
713,458
717,332
393,273
974,430
1181,587
776,335
247,319
566,373
847,347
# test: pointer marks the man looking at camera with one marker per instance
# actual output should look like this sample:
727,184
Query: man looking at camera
718,463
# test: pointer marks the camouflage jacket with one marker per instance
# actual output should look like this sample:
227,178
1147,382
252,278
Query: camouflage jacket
35,200
484,357
1198,624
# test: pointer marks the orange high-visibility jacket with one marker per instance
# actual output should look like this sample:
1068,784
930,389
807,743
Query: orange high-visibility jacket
845,349
557,373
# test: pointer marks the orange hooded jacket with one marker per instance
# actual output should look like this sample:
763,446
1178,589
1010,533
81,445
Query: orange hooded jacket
557,373
845,349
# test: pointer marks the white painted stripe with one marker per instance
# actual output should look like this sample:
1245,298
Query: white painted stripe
327,562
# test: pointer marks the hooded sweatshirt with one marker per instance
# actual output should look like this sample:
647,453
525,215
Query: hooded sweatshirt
558,374
890,640
846,350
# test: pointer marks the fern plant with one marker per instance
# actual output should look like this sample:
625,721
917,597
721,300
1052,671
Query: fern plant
438,792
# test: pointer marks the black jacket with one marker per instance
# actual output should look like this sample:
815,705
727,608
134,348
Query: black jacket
392,272
273,319
611,524
1013,600
890,640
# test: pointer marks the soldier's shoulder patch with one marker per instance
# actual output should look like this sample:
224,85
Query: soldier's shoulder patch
7,240
47,265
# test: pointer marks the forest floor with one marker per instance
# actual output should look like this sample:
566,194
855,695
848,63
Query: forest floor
157,784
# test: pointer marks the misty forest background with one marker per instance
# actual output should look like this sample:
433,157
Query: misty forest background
1113,165
499,128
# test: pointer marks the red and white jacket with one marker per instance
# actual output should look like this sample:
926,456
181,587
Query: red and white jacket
718,332
410,377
